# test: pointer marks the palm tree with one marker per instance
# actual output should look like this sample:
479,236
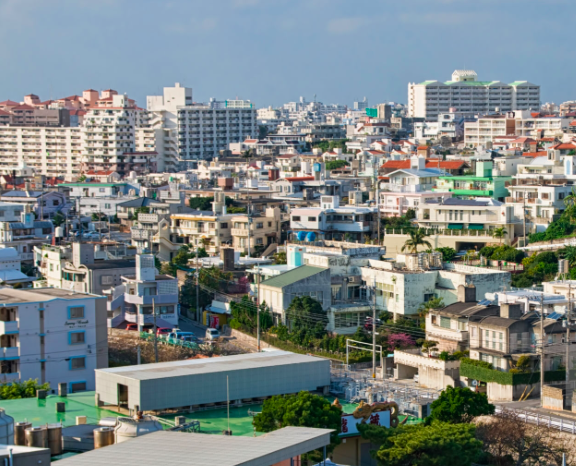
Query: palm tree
205,242
499,233
417,238
570,200
569,253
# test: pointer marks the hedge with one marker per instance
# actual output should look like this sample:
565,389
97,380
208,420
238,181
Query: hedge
506,378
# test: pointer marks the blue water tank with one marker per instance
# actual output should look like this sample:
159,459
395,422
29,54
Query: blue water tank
301,235
317,167
311,236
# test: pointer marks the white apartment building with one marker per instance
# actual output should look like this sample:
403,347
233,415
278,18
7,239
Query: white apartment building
50,151
199,131
53,335
464,93
143,296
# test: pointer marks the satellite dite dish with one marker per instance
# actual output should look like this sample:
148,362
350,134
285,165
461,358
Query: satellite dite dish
474,383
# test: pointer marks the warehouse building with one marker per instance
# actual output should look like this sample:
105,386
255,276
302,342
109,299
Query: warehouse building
191,383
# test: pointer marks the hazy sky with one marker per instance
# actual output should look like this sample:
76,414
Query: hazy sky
273,51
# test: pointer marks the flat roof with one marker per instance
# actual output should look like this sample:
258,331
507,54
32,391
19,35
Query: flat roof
293,276
164,370
32,295
179,448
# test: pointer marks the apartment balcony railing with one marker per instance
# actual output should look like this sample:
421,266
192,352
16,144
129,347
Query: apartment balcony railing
9,353
8,327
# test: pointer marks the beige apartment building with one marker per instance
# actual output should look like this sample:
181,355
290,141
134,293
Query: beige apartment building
257,232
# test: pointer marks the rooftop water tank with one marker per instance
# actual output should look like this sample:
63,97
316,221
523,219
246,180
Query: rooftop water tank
6,428
301,235
59,232
311,236
129,428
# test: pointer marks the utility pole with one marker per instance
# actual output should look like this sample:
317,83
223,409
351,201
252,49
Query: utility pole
249,223
374,329
524,216
258,311
378,207
197,288
542,349
155,330
568,315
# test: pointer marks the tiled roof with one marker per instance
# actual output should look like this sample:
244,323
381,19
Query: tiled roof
564,146
524,139
9,103
293,276
534,154
300,178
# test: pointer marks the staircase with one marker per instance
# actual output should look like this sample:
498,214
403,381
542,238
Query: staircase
271,249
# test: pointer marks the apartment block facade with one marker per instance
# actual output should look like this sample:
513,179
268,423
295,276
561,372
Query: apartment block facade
467,95
199,131
53,335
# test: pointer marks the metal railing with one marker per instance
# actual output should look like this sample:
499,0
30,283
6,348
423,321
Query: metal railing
531,417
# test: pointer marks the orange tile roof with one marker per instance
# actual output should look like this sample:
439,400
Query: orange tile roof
534,154
300,178
564,146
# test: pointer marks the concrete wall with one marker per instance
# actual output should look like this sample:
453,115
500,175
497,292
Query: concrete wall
497,392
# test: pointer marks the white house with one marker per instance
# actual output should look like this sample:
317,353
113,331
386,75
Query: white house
53,335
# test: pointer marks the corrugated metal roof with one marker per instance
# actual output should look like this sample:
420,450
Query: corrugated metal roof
293,276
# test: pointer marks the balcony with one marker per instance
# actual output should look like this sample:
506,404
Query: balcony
10,353
147,300
140,234
10,377
239,232
148,218
8,327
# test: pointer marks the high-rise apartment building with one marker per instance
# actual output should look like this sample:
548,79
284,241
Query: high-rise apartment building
194,131
467,95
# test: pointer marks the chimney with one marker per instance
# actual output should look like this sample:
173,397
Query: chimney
510,311
466,294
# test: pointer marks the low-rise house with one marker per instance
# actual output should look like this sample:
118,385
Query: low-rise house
10,269
52,335
145,297
417,178
44,204
255,233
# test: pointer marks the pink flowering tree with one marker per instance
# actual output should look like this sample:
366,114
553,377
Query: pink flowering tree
400,341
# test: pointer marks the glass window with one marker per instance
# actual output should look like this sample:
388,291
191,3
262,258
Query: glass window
224,226
78,363
77,338
296,218
78,387
311,219
77,312
445,322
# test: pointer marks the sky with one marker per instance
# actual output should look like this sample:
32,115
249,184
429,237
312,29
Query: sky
274,51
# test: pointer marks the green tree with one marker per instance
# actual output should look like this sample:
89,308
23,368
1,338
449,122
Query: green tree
428,345
280,258
570,200
448,254
410,214
438,444
262,131
416,238
236,210
499,233
569,253
26,389
58,219
81,178
304,312
301,410
460,405
336,164
244,313
201,203
141,210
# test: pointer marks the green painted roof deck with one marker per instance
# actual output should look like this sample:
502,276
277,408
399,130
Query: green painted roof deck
473,83
40,412
475,178
471,192
518,83
293,276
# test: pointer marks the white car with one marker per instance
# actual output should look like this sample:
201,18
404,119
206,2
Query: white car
212,334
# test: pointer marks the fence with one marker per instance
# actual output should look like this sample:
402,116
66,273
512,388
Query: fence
561,424
169,341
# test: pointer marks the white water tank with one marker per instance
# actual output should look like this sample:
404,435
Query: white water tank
6,428
129,428
59,232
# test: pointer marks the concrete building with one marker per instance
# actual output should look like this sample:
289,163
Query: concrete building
20,231
467,95
403,285
10,269
483,184
179,384
144,298
255,233
77,270
55,336
331,221
199,131
44,204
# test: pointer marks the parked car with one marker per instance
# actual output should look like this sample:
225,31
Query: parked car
161,331
185,336
212,334
135,327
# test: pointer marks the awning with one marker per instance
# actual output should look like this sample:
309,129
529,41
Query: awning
455,226
476,226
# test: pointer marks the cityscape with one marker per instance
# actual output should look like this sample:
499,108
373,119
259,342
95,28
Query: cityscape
284,275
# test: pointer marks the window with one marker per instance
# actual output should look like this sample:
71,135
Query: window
224,226
55,203
77,363
487,333
76,312
51,267
295,219
473,332
311,219
166,309
428,297
1,213
501,335
462,325
77,387
444,322
101,190
501,346
236,225
269,224
107,206
107,280
259,241
259,225
433,320
76,338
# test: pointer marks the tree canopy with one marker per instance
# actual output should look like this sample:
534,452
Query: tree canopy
416,238
16,390
244,313
336,164
460,405
438,444
302,410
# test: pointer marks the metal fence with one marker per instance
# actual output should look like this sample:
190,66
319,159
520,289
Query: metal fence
531,417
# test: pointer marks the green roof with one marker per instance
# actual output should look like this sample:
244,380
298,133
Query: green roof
293,276
96,185
517,83
425,83
473,83
40,412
